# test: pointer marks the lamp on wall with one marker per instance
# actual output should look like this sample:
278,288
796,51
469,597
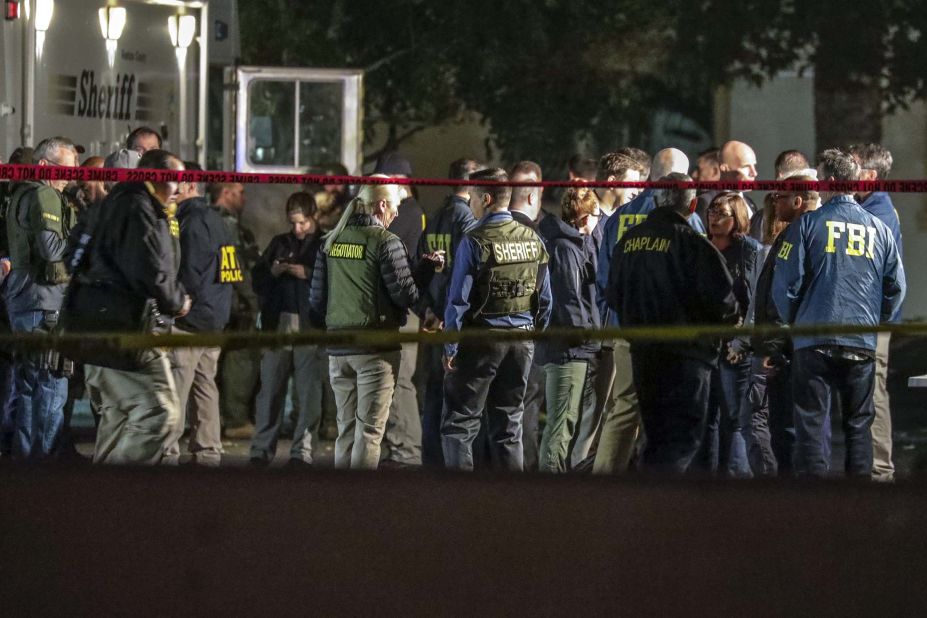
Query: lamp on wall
44,9
182,29
112,23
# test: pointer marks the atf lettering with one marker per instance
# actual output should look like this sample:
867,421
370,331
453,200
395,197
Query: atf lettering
859,239
626,222
785,251
347,251
229,269
516,251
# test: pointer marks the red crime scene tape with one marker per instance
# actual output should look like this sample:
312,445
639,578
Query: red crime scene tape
90,174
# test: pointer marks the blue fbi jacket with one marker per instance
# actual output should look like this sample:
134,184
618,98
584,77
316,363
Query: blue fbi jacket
838,265
618,223
880,206
466,268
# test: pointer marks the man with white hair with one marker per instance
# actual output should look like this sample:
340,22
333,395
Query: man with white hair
38,223
621,420
362,280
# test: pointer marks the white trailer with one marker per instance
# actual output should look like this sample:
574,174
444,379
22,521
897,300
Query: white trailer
93,70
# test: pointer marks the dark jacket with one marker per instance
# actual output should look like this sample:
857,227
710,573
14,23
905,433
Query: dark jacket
879,205
665,273
572,272
285,293
395,278
764,309
742,259
128,267
409,224
444,230
206,254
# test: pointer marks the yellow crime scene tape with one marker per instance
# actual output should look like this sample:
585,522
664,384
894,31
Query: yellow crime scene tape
28,342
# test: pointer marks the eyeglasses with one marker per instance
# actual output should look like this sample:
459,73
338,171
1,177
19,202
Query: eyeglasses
719,213
779,196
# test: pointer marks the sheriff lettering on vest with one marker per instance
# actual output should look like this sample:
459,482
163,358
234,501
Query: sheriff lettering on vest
362,279
500,282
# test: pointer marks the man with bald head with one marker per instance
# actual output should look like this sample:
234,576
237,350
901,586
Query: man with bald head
738,164
621,418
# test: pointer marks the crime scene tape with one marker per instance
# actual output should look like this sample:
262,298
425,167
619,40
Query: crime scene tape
29,342
91,174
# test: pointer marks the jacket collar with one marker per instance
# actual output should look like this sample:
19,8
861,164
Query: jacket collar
363,220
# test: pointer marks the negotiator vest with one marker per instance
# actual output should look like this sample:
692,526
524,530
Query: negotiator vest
357,296
506,282
33,209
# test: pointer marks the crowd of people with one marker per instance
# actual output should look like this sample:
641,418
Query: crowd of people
160,257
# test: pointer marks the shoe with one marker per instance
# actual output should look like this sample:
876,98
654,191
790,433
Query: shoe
295,463
245,432
259,463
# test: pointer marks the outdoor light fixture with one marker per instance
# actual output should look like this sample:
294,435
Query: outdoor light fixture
112,22
182,29
44,9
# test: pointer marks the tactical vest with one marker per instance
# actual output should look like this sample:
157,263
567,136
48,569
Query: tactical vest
510,254
357,297
22,254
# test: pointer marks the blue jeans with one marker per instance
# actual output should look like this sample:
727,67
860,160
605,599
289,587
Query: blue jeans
819,380
724,443
38,398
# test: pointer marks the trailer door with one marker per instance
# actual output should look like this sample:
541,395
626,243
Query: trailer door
288,120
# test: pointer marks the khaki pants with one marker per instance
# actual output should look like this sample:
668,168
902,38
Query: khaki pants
139,411
194,372
882,467
622,421
403,438
364,386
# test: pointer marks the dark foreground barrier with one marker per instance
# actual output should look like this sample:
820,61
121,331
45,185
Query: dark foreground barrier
186,542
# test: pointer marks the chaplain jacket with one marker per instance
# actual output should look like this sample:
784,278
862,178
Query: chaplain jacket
615,227
665,273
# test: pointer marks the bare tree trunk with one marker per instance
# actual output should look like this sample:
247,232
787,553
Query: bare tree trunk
846,113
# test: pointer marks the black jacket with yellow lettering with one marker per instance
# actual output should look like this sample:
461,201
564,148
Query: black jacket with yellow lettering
664,273
129,261
208,265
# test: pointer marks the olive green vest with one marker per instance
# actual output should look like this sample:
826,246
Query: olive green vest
510,254
357,297
47,211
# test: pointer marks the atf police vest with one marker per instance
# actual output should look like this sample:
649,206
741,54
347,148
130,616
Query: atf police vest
510,254
48,212
356,294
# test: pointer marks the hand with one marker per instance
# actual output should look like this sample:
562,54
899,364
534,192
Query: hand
437,259
278,268
187,304
297,270
5,267
450,363
431,323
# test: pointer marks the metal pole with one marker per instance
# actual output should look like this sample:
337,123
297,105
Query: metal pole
28,98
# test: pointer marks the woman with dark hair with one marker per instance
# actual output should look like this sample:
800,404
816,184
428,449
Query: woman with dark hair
570,367
281,280
724,444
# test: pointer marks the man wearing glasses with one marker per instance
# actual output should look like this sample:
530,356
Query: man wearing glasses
38,224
